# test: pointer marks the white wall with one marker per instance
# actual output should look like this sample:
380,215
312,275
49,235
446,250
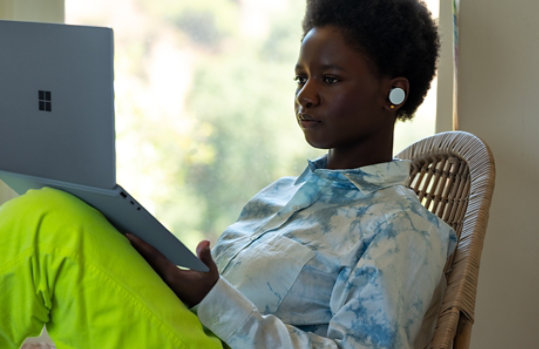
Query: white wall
498,99
444,95
32,10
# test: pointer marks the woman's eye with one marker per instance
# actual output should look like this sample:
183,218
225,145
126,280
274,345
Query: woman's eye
300,79
330,80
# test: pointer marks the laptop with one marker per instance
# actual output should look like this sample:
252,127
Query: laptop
57,124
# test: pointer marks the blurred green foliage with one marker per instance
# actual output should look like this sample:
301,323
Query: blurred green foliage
205,22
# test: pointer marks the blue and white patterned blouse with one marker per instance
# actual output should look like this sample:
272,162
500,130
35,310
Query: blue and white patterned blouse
333,258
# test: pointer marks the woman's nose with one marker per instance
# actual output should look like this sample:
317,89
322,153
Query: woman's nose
307,96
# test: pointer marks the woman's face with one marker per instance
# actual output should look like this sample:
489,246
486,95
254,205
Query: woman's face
340,100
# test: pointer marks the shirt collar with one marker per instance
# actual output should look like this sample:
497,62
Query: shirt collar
365,178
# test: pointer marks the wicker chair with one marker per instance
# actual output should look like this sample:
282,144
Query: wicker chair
453,175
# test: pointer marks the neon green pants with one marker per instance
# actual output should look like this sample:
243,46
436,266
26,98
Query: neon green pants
62,264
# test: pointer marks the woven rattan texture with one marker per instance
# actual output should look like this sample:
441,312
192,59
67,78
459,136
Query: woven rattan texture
453,175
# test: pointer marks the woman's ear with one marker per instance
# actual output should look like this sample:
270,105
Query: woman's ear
397,93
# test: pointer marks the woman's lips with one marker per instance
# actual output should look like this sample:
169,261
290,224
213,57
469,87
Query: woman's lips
306,121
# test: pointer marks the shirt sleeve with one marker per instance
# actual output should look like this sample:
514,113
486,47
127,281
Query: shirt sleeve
377,303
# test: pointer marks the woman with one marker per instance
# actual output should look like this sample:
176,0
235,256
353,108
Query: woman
341,256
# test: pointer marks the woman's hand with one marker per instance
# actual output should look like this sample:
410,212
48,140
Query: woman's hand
189,285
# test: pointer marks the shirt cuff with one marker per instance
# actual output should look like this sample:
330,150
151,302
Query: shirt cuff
224,310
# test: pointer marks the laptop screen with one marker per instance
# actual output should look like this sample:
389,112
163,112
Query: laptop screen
57,102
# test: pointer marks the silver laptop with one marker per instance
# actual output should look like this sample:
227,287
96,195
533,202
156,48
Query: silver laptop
57,124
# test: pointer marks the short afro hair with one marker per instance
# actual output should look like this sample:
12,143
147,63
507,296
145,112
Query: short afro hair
399,36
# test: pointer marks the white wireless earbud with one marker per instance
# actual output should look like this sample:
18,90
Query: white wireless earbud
397,95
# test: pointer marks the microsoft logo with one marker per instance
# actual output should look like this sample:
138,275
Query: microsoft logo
45,100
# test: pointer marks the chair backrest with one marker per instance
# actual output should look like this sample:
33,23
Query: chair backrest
453,174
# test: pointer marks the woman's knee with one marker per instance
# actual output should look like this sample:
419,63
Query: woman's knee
48,203
53,217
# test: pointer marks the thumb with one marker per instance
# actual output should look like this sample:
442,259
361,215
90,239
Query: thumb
204,253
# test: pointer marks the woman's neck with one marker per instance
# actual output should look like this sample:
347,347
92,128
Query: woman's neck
369,152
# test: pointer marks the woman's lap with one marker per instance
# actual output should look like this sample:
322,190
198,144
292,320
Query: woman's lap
63,264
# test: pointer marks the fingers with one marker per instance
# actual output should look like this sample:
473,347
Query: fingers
189,285
157,260
140,245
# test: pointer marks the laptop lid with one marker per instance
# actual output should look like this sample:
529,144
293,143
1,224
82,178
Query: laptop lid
57,100
57,124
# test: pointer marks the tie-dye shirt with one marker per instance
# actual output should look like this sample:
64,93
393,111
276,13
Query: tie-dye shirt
330,259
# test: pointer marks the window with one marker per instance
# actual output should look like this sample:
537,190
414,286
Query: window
423,123
204,103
